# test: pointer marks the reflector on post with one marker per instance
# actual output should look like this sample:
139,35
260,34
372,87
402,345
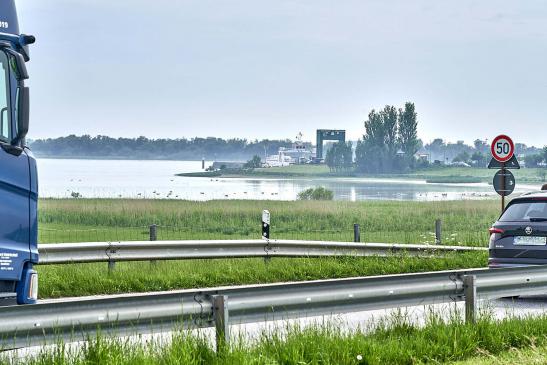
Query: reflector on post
266,224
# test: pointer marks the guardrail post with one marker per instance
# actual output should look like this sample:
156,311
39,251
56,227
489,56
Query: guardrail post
221,318
153,232
153,237
470,293
438,231
356,233
111,266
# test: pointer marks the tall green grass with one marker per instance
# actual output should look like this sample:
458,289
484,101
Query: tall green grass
464,222
91,279
392,342
533,355
117,220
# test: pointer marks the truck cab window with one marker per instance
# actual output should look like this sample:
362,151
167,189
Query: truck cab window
5,125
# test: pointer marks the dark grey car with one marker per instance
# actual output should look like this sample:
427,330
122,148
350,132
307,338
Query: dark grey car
519,237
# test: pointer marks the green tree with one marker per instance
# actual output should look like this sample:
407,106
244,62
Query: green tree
339,157
385,132
408,135
408,130
480,159
390,118
481,146
462,157
376,152
253,163
210,148
533,160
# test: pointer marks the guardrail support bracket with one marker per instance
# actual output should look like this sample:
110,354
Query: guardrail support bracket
470,293
222,321
111,266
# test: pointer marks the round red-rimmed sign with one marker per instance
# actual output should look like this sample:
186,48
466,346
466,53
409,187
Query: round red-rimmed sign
502,148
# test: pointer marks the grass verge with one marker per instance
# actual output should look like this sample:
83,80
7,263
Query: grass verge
393,342
80,220
90,279
528,356
119,220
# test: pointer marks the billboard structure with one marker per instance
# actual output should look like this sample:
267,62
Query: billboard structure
328,135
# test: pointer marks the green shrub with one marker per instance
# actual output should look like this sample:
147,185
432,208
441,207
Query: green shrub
319,193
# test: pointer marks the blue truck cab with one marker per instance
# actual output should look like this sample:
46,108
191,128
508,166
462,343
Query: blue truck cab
18,174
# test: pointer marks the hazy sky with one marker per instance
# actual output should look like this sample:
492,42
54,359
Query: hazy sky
269,69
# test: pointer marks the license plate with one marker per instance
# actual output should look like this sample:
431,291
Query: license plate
530,240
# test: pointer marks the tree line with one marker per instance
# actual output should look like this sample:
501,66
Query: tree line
390,144
145,148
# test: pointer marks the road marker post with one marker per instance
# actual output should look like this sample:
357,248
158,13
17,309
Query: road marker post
266,234
265,224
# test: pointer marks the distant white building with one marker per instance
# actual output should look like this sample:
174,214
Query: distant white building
423,154
299,153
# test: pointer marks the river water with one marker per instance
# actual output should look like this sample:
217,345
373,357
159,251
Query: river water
156,179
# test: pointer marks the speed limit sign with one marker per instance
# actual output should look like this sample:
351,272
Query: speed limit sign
502,148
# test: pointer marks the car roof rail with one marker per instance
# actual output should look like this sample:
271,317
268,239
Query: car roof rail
533,192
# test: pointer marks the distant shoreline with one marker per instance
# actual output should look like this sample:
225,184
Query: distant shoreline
440,175
117,158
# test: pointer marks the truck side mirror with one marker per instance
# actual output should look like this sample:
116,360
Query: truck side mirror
23,113
18,64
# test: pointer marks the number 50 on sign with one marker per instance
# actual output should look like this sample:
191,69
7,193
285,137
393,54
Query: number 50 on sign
502,148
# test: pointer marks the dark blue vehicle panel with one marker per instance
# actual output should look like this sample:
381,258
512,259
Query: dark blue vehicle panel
33,203
14,214
18,176
8,15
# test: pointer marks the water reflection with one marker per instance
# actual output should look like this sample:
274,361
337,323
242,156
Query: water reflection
155,179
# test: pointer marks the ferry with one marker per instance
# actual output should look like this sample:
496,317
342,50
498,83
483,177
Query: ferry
298,154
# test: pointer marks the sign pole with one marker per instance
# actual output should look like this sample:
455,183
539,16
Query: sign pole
503,188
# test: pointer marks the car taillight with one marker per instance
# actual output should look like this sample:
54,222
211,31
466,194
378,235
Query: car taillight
495,234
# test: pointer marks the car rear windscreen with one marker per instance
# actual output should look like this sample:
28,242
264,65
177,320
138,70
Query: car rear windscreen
525,211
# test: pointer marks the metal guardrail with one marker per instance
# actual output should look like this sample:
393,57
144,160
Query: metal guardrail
75,318
65,253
